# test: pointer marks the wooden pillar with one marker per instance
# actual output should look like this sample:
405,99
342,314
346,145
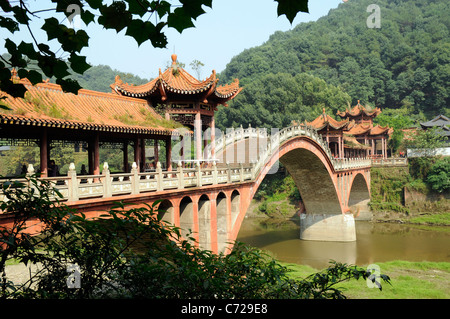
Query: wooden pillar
213,138
169,153
137,153
143,154
155,152
198,135
96,155
44,149
125,157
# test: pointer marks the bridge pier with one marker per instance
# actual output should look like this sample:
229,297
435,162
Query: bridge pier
327,227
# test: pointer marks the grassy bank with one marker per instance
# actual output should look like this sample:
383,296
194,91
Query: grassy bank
410,280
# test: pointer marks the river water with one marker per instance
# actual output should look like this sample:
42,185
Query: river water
375,242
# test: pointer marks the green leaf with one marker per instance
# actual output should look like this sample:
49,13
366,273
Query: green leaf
34,77
193,8
115,16
139,7
69,85
28,50
78,63
13,89
52,28
87,16
291,7
180,20
9,24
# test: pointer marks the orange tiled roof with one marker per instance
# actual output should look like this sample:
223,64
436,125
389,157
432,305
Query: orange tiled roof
362,128
324,120
47,105
176,80
357,110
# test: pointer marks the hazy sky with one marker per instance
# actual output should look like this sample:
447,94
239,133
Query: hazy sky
220,34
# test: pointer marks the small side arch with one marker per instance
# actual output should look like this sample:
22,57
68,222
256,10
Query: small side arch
235,206
166,211
222,221
204,222
186,216
359,197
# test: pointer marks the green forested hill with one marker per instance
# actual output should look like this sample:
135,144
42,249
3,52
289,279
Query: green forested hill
100,77
403,65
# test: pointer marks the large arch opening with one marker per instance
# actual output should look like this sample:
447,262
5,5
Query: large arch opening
222,225
186,217
204,222
313,181
359,198
324,219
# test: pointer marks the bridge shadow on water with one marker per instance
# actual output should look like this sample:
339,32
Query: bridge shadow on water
281,239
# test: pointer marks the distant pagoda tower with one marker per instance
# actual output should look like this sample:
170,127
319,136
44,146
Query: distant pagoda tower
183,98
360,114
355,135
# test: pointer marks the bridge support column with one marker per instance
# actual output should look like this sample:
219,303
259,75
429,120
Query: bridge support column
327,227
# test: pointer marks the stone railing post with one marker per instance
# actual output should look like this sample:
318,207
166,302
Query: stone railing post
159,177
199,174
72,183
106,181
241,172
180,175
134,179
228,173
214,173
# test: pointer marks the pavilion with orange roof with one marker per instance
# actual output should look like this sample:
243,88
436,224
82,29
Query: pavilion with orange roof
184,99
48,118
355,135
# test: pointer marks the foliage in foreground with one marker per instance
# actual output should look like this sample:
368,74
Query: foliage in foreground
129,253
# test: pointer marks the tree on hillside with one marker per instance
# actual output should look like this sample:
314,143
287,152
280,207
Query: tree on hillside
406,62
133,16
275,100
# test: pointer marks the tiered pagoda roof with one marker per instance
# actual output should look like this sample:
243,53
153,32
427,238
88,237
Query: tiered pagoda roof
175,81
325,120
45,104
368,128
359,110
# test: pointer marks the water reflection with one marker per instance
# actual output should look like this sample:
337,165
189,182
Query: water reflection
376,242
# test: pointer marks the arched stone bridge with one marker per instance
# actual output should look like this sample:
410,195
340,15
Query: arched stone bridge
212,201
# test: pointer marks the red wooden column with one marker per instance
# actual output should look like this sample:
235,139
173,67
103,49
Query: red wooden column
169,153
198,135
125,157
143,154
44,149
137,153
96,155
213,137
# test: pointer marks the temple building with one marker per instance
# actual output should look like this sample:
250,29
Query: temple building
126,120
182,98
354,135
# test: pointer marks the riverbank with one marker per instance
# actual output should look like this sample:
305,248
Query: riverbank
409,280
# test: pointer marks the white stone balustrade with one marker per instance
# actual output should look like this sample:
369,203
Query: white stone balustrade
74,187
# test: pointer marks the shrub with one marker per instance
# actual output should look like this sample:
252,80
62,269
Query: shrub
439,175
129,253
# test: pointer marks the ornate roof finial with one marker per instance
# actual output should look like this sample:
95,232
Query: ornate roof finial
174,58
